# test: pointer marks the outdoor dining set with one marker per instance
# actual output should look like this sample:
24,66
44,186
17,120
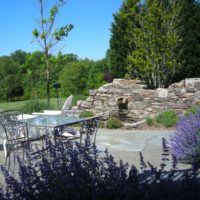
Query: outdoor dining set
19,131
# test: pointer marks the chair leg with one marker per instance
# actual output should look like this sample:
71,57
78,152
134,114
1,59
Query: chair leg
14,159
6,152
7,160
5,147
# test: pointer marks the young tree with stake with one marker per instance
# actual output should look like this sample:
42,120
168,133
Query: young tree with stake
48,36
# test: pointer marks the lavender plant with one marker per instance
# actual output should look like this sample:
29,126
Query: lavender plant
185,142
79,171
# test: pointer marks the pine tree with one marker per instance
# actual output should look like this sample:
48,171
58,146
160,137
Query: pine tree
190,22
122,41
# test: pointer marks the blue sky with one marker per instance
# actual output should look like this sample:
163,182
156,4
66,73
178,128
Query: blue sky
91,19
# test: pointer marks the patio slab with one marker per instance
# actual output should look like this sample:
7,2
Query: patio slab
125,145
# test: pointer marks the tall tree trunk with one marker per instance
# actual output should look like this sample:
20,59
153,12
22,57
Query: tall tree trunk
48,80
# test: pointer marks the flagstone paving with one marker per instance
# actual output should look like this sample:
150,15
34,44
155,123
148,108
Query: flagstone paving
126,144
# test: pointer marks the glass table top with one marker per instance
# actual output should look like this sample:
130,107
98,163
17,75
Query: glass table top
52,120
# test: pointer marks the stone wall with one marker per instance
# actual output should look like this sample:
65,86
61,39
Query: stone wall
133,102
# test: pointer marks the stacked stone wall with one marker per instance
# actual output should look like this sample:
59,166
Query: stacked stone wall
141,102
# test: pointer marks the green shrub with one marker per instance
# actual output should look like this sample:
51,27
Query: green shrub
149,121
113,123
35,106
102,125
167,118
191,110
85,114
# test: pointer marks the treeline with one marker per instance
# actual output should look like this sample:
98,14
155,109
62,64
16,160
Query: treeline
156,41
23,75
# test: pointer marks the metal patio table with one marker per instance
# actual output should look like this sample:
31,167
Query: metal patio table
54,125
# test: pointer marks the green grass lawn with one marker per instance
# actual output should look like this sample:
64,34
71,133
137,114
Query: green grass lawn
18,105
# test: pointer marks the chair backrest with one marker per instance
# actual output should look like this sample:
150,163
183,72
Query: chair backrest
10,115
13,128
68,103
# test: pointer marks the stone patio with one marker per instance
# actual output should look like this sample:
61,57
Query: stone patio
126,144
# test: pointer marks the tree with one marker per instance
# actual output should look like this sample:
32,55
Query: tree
122,42
34,82
19,56
96,74
48,36
156,56
10,79
190,22
74,78
59,62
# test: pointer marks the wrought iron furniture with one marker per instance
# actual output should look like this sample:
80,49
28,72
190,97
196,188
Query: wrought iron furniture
89,128
15,137
19,134
15,134
60,126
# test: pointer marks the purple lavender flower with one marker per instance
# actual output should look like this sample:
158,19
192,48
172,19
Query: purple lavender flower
185,142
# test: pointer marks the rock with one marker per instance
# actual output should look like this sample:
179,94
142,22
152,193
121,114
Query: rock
106,114
141,102
196,102
79,103
125,81
89,99
192,84
117,91
179,91
131,105
137,97
177,85
112,104
197,94
134,125
147,93
98,103
149,109
108,85
92,92
162,93
102,90
189,95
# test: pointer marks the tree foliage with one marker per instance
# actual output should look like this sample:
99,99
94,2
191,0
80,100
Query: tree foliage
96,74
156,41
189,20
10,79
34,81
155,58
122,41
74,78
48,36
